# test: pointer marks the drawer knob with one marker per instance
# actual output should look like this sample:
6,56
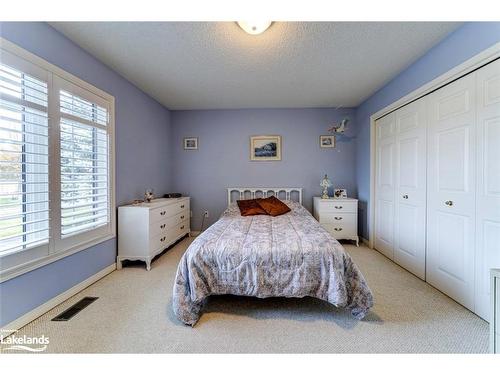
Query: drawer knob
162,213
338,207
162,226
182,206
182,217
405,196
182,227
338,218
449,203
163,239
337,229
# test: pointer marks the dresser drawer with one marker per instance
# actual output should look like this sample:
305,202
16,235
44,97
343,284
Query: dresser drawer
161,213
338,206
339,218
165,224
159,242
165,239
341,230
180,229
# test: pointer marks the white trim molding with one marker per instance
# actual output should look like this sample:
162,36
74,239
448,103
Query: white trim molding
475,62
57,300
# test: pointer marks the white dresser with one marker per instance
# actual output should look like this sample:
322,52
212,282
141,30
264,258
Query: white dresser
338,216
495,312
146,229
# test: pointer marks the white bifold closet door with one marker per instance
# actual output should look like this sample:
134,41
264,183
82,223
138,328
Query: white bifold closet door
451,189
410,199
385,188
488,183
437,198
401,185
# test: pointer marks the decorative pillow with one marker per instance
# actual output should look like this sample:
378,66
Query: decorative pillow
273,206
250,207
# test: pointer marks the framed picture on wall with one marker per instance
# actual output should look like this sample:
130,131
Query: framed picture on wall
327,141
265,148
191,143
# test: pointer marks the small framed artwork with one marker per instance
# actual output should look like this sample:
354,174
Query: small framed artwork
191,143
327,141
340,193
265,148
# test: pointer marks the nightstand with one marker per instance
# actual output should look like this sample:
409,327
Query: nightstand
338,216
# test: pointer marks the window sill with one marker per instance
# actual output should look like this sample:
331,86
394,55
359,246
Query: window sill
37,263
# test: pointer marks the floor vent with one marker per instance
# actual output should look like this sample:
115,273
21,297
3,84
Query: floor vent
75,309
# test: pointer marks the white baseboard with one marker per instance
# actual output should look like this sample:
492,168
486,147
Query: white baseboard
50,304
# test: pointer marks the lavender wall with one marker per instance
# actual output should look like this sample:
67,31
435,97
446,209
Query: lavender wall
223,158
142,157
465,42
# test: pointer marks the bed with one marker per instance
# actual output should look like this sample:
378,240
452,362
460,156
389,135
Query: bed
263,256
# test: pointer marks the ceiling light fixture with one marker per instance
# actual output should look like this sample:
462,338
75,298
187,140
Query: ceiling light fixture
254,27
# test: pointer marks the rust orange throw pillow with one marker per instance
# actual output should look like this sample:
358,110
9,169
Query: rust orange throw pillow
249,207
273,206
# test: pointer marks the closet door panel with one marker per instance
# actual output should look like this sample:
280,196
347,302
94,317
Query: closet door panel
410,191
385,185
451,190
488,183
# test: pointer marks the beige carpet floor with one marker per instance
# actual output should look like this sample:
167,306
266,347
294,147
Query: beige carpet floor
134,314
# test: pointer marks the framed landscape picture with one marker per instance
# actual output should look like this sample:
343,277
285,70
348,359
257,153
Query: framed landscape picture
191,143
327,141
265,148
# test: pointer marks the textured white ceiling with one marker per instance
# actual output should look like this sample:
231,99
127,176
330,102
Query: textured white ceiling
209,65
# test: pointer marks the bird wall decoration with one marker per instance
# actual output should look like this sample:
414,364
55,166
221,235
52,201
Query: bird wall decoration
340,128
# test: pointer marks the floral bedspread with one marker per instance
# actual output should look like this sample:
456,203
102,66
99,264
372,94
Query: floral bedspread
263,256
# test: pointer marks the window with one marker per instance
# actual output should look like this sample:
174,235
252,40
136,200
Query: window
56,188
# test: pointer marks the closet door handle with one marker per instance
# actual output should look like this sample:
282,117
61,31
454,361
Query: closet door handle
449,203
405,196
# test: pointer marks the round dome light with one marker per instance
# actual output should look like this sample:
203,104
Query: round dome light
254,27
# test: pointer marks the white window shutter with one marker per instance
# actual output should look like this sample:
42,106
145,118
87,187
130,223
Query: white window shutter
84,149
24,176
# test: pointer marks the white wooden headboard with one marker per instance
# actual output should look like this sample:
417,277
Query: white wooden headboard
264,192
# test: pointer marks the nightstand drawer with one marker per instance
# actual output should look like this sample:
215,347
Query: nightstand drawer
341,230
339,218
338,206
